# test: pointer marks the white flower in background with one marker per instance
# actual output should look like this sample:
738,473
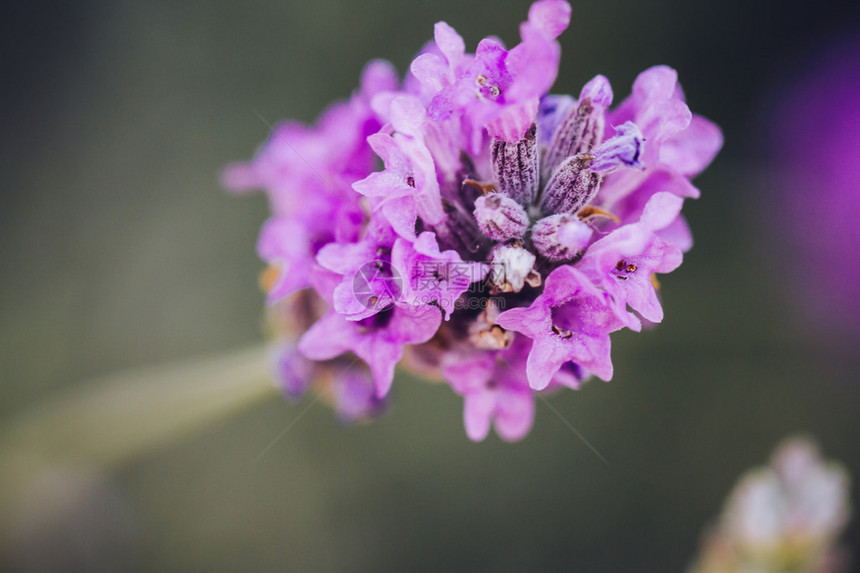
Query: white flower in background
785,517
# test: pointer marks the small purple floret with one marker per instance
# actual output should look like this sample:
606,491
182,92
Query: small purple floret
623,150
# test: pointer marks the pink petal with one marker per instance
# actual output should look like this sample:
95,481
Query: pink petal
692,149
550,17
515,413
477,414
450,43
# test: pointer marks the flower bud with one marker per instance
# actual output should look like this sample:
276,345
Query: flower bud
513,268
582,129
622,150
561,237
598,91
572,186
500,218
516,167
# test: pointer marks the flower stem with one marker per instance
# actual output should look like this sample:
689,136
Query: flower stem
119,417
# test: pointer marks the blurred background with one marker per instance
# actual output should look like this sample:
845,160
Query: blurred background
119,249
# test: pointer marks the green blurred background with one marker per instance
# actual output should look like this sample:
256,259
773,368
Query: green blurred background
118,249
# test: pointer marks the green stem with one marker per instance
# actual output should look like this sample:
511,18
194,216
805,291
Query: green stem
119,417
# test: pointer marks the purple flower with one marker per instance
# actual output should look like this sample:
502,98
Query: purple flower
508,234
433,277
624,261
369,282
677,146
355,397
569,322
494,89
285,245
407,188
494,389
378,340
622,150
814,201
293,372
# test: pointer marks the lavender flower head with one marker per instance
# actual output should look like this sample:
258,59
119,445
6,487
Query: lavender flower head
509,232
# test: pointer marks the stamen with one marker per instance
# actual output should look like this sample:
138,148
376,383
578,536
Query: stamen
563,333
591,212
268,277
485,334
484,188
624,267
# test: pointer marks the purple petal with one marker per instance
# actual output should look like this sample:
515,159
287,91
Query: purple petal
599,90
468,373
661,210
378,76
285,243
432,71
344,258
678,233
240,177
330,336
622,150
550,17
545,359
525,319
534,66
381,358
408,115
450,43
513,122
293,372
354,396
564,283
693,149
514,414
402,214
477,414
